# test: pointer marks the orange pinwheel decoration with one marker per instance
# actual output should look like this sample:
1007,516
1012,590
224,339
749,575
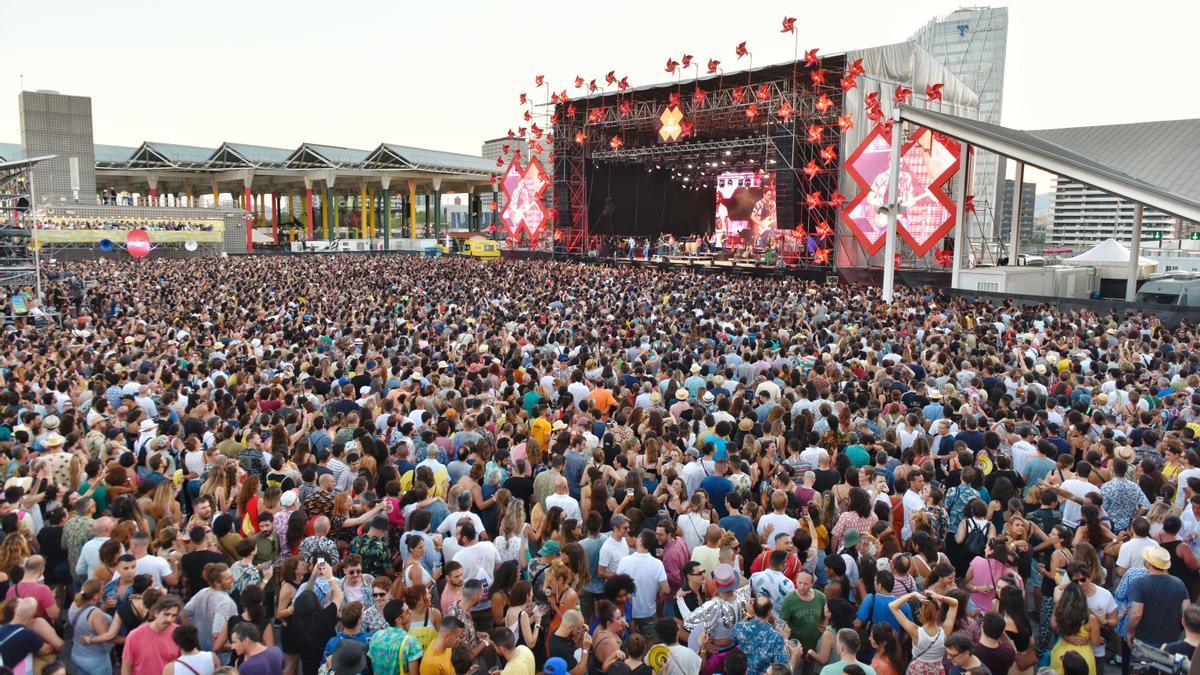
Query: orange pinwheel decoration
811,60
672,64
596,115
578,81
741,50
828,154
902,94
789,25
933,92
821,256
752,112
764,92
579,137
686,60
610,77
811,169
816,133
813,199
849,82
738,94
824,104
800,232
713,64
539,80
824,230
571,111
616,143
817,76
784,111
846,122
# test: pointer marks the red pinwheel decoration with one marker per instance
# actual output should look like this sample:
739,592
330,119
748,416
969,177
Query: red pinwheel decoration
713,64
571,111
521,131
902,94
616,143
579,137
899,257
553,156
871,100
811,60
969,203
816,133
811,169
813,199
596,115
535,130
856,68
528,116
554,117
849,82
686,60
535,148
673,100
846,122
837,199
625,107
784,111
562,95
886,127
623,83
517,153
817,76
800,232
933,92
592,87
511,135
554,97
505,148
699,96
672,64
494,209
551,216
874,114
764,92
789,25
686,128
752,112
824,231
610,77
944,257
539,80
738,94
828,154
823,104
821,256
578,81
741,50
523,99
550,138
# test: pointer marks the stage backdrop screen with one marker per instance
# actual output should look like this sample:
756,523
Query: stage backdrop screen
629,201
745,204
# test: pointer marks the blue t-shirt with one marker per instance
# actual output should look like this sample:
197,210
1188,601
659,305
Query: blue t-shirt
717,487
740,525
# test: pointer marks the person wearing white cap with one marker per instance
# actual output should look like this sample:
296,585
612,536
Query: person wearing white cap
1158,603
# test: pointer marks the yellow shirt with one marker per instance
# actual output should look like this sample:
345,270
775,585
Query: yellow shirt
436,662
540,429
521,663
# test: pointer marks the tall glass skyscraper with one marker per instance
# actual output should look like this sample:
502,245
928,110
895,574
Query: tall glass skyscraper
971,42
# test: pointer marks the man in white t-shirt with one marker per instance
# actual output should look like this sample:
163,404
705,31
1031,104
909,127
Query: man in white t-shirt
774,523
1130,553
912,502
449,524
1074,489
163,573
562,499
615,548
1024,449
478,560
649,580
1191,470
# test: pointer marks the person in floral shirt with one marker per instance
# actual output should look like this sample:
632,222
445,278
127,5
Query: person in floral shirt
393,651
759,641
372,547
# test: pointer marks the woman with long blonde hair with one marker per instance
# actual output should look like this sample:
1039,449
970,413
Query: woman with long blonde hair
163,506
513,541
219,485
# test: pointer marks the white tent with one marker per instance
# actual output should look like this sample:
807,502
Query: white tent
1111,259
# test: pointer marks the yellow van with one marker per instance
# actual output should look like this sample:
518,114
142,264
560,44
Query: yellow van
471,244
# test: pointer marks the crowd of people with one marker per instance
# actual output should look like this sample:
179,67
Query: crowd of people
149,224
392,465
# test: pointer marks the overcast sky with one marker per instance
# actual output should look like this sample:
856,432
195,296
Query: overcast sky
447,75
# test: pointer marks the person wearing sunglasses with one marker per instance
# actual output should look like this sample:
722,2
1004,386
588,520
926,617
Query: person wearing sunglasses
962,660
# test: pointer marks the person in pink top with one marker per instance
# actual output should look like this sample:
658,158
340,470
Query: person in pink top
675,553
150,647
985,571
32,586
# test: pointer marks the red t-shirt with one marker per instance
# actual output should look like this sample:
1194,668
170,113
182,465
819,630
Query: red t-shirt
790,568
149,651
39,592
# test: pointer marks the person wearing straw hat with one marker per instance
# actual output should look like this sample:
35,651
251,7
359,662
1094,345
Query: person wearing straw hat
1156,616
